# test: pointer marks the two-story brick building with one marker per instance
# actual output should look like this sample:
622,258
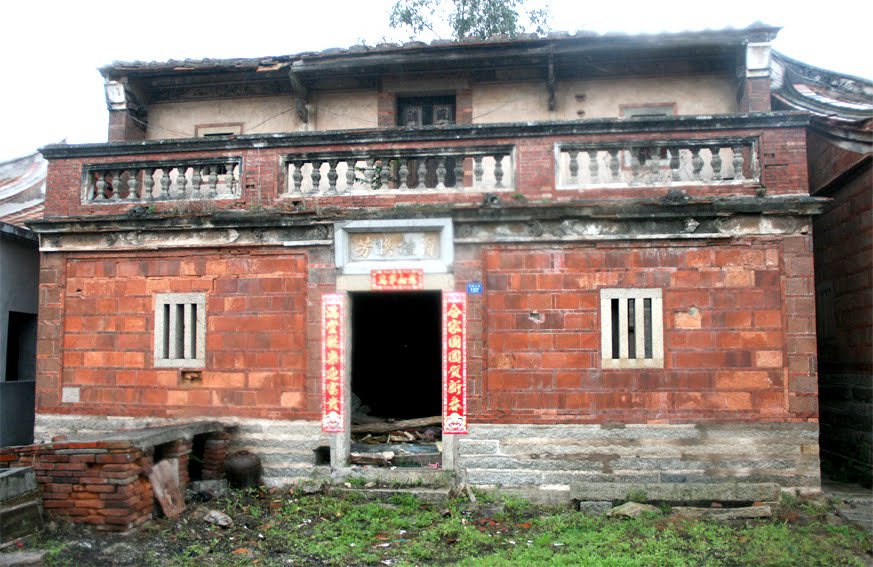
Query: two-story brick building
591,255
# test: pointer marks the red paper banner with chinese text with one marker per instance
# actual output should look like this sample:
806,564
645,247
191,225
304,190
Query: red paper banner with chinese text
332,356
391,280
454,363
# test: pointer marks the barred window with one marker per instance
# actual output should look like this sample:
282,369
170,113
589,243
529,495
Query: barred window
180,330
632,328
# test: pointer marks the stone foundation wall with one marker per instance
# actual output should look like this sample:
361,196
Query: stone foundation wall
554,457
286,448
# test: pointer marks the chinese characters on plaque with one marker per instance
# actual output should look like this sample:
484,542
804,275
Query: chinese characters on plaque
332,410
454,362
393,280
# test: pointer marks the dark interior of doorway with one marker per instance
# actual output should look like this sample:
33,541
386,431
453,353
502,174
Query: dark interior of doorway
396,353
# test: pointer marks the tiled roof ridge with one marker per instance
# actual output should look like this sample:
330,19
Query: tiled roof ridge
280,61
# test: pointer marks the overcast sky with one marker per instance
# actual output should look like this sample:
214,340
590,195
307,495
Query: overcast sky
50,50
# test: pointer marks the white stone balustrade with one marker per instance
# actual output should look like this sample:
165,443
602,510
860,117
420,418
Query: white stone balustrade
163,181
658,163
489,169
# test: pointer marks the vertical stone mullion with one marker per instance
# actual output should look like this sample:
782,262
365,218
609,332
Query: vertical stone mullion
622,328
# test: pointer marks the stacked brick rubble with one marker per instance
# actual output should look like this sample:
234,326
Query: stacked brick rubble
102,483
105,483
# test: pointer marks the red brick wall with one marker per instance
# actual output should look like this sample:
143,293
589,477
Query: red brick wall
747,354
97,325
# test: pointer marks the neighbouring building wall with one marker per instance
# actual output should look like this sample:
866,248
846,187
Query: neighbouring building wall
19,299
602,98
844,289
19,274
257,115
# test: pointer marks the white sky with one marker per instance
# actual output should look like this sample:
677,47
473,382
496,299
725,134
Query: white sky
50,50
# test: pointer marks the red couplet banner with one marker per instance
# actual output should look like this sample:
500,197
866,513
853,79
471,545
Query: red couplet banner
332,357
389,280
454,363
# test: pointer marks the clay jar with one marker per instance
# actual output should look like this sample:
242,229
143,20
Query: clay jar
243,470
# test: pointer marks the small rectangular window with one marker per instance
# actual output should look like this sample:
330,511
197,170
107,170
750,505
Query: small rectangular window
180,330
632,328
214,130
647,110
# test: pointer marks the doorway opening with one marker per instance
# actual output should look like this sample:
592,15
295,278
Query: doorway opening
396,378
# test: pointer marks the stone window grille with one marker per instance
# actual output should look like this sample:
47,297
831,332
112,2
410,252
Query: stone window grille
632,328
180,330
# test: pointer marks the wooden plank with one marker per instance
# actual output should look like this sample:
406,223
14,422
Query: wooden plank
386,426
164,477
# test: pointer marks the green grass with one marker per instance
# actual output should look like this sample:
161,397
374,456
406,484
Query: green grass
350,530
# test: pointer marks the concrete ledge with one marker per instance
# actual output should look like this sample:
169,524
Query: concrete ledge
152,436
678,492
16,482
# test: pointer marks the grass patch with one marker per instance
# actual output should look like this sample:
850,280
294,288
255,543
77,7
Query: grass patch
348,529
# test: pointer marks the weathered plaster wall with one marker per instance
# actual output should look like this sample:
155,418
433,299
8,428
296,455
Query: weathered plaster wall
345,110
602,98
258,115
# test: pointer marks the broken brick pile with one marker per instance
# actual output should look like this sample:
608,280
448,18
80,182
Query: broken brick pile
105,483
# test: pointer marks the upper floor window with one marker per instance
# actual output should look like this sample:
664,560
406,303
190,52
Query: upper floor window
425,110
631,328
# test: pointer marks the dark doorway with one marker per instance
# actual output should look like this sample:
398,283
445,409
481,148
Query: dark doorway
396,353
21,347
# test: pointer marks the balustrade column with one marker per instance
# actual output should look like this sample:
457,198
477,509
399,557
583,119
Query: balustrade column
696,163
715,162
614,164
316,177
148,182
332,176
165,183
181,181
593,167
351,164
573,166
132,189
229,181
100,187
459,172
196,181
116,185
422,173
738,163
403,172
441,173
498,170
297,177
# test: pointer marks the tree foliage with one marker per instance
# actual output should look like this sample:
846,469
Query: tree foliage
479,19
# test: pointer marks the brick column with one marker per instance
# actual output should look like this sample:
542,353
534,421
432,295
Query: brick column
800,340
214,454
180,449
